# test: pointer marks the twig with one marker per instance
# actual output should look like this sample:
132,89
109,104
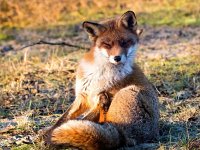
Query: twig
53,43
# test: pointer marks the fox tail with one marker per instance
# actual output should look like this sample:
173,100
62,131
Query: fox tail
87,135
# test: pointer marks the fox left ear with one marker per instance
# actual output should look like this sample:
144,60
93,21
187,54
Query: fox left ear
128,20
93,29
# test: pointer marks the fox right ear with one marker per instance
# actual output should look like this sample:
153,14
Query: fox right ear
128,20
93,29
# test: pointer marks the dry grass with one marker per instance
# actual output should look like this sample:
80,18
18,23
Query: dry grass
15,13
41,84
37,84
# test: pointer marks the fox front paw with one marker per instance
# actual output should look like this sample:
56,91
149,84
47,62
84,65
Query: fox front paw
104,101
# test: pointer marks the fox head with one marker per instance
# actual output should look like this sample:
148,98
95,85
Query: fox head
115,39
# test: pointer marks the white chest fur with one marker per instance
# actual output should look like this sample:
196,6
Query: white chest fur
102,75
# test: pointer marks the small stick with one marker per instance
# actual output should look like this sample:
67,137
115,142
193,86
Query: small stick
53,43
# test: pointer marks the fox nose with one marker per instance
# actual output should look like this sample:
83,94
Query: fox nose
117,58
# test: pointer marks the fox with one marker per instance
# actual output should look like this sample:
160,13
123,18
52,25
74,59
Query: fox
116,105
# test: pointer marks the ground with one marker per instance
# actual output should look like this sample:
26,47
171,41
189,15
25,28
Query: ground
36,90
37,83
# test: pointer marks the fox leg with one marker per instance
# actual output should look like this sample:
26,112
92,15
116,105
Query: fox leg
98,112
78,107
105,102
92,114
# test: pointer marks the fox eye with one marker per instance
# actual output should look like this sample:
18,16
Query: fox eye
124,43
106,45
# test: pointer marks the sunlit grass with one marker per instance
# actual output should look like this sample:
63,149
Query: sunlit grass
43,83
155,13
41,80
174,74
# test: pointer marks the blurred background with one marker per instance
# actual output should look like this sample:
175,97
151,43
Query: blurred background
34,13
37,82
63,18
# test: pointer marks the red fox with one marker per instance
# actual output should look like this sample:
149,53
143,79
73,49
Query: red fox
108,78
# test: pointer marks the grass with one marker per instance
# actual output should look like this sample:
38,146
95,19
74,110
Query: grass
23,147
42,84
37,84
5,37
173,17
155,13
171,13
175,74
27,76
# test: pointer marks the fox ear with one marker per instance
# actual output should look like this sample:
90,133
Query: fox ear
93,29
128,20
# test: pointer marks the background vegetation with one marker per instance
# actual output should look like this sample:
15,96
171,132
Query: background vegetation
16,13
37,83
